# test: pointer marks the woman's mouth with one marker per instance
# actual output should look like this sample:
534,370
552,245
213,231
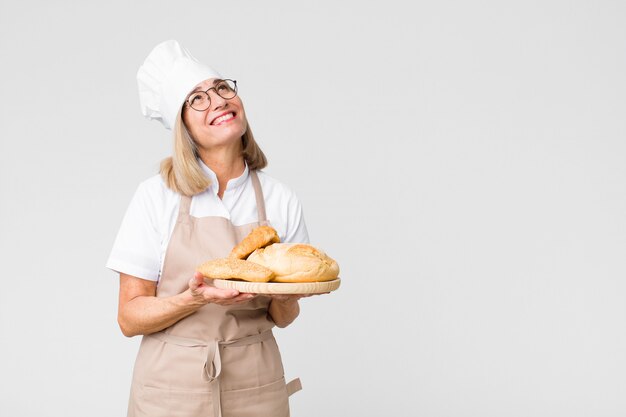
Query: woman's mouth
224,118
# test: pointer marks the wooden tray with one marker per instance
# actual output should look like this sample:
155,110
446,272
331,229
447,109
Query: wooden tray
279,287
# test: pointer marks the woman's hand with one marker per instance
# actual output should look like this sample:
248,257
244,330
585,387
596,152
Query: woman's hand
142,312
284,308
204,293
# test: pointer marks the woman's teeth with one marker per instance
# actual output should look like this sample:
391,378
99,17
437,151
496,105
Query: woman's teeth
223,118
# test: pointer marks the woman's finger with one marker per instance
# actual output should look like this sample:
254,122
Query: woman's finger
244,297
196,281
240,298
214,293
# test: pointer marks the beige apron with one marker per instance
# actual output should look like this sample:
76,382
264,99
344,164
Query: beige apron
221,360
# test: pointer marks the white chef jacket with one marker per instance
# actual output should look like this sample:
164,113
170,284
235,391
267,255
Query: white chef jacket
141,242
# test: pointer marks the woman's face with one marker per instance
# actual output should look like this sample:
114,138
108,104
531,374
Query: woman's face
222,124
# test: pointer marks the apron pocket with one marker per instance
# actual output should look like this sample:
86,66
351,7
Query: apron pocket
163,402
267,400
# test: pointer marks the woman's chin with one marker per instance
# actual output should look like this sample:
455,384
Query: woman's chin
216,143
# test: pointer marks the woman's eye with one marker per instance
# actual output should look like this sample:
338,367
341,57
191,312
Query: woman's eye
195,99
223,87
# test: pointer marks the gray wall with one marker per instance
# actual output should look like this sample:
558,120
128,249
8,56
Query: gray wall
464,162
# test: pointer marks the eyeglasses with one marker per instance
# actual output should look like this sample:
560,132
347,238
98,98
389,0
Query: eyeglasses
200,100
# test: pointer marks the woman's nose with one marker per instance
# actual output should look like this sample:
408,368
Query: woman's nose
217,101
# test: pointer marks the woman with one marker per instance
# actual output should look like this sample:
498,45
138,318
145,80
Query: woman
205,351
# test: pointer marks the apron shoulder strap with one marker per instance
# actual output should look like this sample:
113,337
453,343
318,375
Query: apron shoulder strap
258,192
184,208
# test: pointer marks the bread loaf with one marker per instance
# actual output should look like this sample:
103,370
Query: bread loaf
228,268
296,262
257,238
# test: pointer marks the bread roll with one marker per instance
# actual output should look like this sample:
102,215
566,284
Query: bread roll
227,268
295,262
257,238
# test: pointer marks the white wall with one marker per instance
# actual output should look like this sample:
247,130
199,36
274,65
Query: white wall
464,162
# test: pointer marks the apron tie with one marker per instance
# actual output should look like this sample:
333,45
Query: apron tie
212,370
213,364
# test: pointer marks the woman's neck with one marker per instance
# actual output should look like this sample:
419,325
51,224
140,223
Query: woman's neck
225,163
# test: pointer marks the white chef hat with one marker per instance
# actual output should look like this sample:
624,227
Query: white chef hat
165,78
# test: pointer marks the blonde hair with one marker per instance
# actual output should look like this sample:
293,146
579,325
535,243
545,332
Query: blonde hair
182,172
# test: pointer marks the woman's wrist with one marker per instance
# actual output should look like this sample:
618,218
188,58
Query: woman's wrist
283,310
189,300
